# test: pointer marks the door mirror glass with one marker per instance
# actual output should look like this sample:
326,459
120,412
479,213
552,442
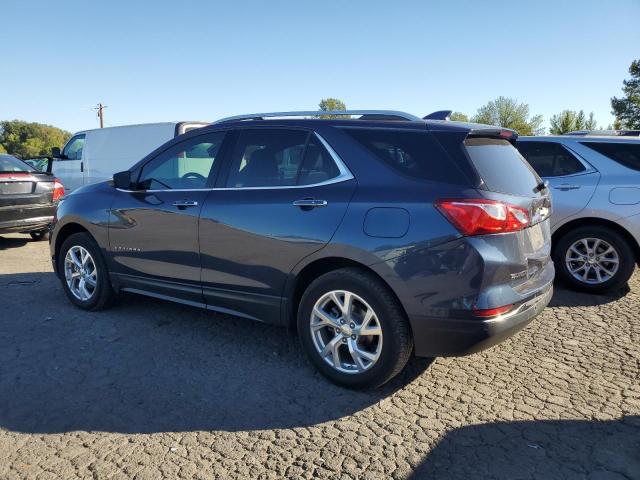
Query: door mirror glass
55,152
122,180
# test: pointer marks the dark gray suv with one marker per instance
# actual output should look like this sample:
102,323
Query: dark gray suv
378,236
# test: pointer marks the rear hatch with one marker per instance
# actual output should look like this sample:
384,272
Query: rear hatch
507,177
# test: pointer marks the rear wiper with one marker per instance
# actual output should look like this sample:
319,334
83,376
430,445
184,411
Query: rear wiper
541,186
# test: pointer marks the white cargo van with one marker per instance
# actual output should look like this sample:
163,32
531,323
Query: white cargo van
92,156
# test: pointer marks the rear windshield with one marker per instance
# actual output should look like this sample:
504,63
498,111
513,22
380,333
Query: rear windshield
501,167
12,164
411,153
627,154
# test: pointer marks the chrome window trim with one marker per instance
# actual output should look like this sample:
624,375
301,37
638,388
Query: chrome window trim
344,175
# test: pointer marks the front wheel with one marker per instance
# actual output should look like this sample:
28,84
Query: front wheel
594,259
83,273
353,329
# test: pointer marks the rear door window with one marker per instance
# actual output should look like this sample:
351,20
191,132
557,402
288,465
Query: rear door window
267,158
501,167
550,159
627,154
410,152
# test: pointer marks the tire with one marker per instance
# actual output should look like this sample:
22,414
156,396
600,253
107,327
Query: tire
39,235
392,347
101,294
621,251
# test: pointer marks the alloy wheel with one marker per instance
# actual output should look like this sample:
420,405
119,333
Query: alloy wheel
592,260
80,273
346,332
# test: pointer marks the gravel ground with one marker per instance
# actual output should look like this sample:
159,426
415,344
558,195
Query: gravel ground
152,390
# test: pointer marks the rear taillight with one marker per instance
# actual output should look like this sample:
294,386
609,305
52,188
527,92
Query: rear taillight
481,217
491,312
58,190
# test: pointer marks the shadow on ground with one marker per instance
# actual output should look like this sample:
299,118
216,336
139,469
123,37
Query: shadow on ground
606,450
13,242
565,297
147,366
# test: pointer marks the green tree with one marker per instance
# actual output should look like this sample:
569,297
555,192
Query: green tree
627,109
509,113
26,139
2,149
570,120
459,117
331,104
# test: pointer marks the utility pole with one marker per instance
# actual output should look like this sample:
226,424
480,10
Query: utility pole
100,108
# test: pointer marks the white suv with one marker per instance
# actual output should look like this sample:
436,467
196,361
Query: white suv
595,182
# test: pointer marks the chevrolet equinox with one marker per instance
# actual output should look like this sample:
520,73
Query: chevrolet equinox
377,236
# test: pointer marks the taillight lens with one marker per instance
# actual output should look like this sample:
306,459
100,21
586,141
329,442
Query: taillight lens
58,190
481,217
491,312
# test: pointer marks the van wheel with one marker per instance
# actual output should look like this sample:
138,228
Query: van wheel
39,235
594,259
83,273
353,329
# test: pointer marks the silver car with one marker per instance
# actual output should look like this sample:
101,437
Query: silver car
595,183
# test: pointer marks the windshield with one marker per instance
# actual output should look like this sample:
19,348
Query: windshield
10,164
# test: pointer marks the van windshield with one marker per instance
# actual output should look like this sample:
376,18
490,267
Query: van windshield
502,168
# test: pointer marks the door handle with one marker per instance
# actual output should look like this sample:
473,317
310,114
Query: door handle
309,203
566,186
185,203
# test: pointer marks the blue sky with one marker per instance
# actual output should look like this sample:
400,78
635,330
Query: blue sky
201,60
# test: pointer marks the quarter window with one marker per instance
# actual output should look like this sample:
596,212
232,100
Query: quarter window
187,165
550,159
413,153
627,154
73,148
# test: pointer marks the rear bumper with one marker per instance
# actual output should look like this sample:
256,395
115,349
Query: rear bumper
26,224
448,337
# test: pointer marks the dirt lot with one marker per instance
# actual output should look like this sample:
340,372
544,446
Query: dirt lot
152,390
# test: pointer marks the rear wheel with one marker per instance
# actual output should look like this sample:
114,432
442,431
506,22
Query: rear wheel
39,235
83,273
353,329
594,259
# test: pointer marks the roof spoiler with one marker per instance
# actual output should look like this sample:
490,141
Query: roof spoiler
439,115
494,132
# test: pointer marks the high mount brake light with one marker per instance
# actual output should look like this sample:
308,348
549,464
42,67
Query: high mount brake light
58,190
481,217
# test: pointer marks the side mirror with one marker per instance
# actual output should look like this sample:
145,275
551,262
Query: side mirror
122,180
55,152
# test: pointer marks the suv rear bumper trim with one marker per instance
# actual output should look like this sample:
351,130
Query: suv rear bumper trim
26,224
449,337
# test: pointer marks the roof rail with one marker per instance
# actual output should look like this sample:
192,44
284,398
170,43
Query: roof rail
371,114
439,115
